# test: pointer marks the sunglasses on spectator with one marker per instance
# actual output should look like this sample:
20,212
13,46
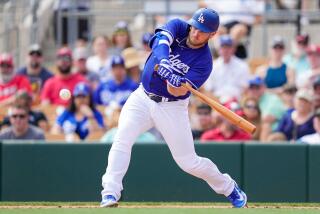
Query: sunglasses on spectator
203,112
251,106
290,91
35,53
278,47
256,87
5,65
66,58
20,116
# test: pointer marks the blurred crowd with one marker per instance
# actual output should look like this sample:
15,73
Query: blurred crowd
81,97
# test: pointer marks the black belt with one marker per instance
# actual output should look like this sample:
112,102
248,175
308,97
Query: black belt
158,98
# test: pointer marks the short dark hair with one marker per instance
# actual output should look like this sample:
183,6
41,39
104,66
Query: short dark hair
17,106
204,107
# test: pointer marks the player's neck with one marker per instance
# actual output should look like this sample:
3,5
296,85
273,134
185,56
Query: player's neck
192,46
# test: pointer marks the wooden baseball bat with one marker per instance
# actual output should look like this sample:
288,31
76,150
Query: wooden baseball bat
225,112
228,114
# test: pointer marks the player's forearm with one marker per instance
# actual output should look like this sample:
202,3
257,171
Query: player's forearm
176,91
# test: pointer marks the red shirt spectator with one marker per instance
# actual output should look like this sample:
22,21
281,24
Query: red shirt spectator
53,86
217,135
10,88
226,130
63,80
10,83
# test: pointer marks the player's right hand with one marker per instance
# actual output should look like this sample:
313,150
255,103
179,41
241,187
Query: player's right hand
164,69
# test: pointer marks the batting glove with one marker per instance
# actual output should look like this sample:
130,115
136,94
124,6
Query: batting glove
164,69
175,80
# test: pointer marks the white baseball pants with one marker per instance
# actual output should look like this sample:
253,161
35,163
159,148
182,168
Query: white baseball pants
138,115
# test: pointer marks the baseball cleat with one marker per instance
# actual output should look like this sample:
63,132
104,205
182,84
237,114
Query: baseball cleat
108,201
237,197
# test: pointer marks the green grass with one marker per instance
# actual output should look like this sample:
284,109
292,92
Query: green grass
148,208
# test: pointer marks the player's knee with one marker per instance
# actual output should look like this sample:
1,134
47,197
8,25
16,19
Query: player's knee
188,163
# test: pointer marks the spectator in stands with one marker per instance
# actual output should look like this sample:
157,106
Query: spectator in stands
287,95
297,122
237,18
63,79
145,50
108,137
297,59
20,128
80,58
226,131
81,117
315,137
316,92
205,120
272,107
132,63
121,38
10,82
230,74
313,53
252,113
35,71
100,62
117,90
36,118
276,73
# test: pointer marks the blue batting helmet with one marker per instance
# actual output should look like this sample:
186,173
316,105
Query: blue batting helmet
205,19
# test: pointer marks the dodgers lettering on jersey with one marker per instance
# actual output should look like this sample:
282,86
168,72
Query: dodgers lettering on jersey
193,64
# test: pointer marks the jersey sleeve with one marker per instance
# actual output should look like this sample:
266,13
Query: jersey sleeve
163,39
96,95
99,118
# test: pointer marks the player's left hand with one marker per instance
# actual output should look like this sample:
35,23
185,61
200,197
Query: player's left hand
175,80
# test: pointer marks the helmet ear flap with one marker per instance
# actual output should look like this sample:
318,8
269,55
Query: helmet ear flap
205,19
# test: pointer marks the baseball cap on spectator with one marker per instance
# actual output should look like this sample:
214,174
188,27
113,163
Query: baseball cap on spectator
146,38
64,51
225,40
278,42
313,49
6,59
117,60
80,53
121,26
204,109
35,49
131,57
304,94
302,39
233,105
256,81
81,89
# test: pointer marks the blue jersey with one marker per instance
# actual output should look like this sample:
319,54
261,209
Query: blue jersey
193,64
111,91
70,124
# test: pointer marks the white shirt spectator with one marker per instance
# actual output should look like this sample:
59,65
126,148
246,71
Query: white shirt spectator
228,80
311,138
94,64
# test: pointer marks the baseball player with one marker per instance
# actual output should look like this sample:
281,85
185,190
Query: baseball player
182,54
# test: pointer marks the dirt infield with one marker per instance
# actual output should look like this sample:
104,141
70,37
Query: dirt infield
142,205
